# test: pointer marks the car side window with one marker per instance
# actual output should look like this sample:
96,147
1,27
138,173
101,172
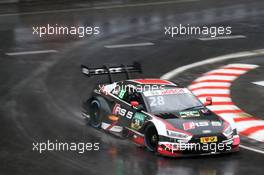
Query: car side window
135,96
128,95
115,91
119,92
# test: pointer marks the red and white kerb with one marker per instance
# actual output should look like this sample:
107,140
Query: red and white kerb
216,84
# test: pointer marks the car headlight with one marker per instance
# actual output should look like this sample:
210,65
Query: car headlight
228,130
178,135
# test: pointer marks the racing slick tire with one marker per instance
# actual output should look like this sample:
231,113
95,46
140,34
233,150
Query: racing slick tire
151,138
95,114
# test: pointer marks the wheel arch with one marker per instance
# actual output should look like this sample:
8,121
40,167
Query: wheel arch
159,125
104,106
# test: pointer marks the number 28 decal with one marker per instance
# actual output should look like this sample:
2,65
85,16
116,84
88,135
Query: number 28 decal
157,101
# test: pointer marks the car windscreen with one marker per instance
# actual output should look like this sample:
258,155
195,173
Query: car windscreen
170,100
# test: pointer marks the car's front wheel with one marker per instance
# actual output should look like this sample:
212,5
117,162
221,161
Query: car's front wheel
151,138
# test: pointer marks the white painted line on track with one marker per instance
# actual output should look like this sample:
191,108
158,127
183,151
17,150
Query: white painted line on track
223,37
129,45
212,84
230,115
246,66
100,7
223,107
31,52
243,125
181,69
258,135
211,91
261,83
216,77
144,4
251,149
228,71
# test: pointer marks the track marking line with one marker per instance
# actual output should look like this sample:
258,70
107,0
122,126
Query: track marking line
223,38
211,91
143,4
219,108
261,83
216,77
209,87
227,71
223,74
31,52
249,127
232,115
178,70
100,8
258,135
207,84
251,149
129,45
213,95
244,119
246,67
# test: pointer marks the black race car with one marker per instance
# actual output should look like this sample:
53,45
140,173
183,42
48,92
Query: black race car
158,114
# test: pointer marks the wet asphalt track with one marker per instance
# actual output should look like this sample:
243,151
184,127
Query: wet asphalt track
41,94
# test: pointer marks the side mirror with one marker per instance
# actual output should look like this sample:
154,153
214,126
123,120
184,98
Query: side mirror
134,103
137,106
208,101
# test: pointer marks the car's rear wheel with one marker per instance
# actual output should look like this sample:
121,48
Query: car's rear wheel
151,138
95,114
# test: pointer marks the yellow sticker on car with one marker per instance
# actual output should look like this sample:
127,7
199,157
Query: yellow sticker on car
208,139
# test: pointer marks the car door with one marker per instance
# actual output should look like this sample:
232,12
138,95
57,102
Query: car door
122,107
134,118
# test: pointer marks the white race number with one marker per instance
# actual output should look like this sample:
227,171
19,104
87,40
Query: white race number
157,101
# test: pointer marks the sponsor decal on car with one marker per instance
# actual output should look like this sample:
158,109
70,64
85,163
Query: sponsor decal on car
206,131
118,110
185,114
205,111
188,126
166,92
122,94
193,125
138,121
216,123
208,139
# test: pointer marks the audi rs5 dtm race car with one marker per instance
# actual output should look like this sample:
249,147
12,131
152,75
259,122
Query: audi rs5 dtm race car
157,114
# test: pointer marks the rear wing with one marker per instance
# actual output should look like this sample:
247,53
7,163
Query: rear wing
109,70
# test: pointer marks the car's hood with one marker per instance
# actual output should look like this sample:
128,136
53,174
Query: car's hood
195,121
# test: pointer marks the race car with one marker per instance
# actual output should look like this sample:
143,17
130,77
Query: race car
160,115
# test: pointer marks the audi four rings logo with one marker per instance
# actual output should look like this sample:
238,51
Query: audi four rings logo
192,125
